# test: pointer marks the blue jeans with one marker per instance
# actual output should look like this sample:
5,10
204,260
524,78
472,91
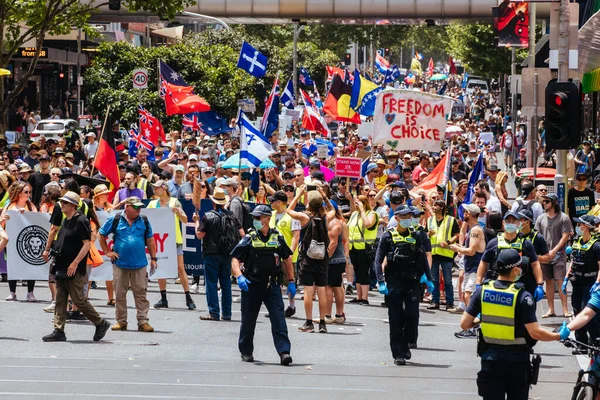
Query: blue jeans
217,268
446,264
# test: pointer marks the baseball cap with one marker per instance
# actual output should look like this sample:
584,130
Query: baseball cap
229,182
44,157
161,183
472,208
402,210
588,220
511,214
278,196
527,214
134,201
551,196
261,210
179,168
508,259
90,134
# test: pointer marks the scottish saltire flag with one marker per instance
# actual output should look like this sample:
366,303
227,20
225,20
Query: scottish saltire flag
287,97
476,176
137,140
392,74
270,120
254,147
381,63
305,77
252,61
363,96
464,82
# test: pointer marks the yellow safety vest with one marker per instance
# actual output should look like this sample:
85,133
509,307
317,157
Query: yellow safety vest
358,234
4,200
398,238
172,202
272,243
503,244
246,195
498,315
142,184
442,233
284,226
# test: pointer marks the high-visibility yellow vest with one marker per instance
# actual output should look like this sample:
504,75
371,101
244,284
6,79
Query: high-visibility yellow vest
142,184
358,234
172,203
443,232
284,227
272,243
4,200
498,315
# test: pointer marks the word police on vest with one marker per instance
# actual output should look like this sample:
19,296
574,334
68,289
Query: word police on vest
502,299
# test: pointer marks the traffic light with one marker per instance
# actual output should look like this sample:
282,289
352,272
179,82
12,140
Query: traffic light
114,5
347,59
563,115
386,52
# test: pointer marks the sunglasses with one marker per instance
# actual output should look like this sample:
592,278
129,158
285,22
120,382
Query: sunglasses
287,178
543,190
582,178
371,195
136,208
342,183
55,174
288,190
546,201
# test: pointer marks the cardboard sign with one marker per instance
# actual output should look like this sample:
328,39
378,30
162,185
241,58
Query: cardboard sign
348,167
408,119
363,154
322,151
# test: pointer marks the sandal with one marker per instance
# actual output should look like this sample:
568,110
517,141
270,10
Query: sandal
568,314
209,318
548,315
111,302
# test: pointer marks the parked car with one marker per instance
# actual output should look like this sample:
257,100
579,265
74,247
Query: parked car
472,84
53,128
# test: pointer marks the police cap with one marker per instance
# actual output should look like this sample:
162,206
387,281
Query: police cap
402,210
261,210
508,259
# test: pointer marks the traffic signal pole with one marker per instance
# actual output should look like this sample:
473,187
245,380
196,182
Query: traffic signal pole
560,179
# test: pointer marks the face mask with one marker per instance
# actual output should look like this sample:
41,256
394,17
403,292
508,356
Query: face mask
482,220
518,274
578,230
257,224
415,222
510,228
406,223
520,227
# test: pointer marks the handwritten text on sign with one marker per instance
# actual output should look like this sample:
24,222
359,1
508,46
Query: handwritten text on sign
409,120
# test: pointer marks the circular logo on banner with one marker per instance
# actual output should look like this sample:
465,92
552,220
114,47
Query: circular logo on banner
31,243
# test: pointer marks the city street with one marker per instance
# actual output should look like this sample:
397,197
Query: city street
190,359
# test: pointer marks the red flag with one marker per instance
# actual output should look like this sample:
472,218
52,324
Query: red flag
430,68
435,177
150,126
452,66
331,71
181,99
106,158
312,119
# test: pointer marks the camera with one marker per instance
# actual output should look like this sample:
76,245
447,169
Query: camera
55,253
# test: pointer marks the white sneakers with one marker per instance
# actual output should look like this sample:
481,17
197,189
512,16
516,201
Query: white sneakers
31,298
11,297
51,307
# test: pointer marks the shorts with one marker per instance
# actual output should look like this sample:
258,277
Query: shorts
335,274
469,282
556,271
311,277
362,265
507,152
179,249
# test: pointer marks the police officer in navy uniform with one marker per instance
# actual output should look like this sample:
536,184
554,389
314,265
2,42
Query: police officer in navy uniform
509,330
406,263
263,250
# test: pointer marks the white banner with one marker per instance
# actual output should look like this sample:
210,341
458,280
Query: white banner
409,119
28,233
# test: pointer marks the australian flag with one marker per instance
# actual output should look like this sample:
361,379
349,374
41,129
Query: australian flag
137,140
305,77
287,97
252,61
209,122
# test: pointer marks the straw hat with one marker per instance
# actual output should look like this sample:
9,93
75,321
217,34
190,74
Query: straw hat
219,197
101,189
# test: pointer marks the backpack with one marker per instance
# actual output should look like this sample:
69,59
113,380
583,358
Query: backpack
246,218
316,240
228,232
117,219
523,206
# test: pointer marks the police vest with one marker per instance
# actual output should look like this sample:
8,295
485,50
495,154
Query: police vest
580,268
517,245
172,204
443,232
531,236
403,258
358,234
142,184
498,315
263,262
284,227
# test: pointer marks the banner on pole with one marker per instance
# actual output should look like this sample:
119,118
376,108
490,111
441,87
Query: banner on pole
408,119
28,234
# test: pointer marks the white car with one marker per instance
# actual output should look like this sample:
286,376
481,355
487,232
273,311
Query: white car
53,128
472,84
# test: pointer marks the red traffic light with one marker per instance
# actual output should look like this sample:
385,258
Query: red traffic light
559,99
61,75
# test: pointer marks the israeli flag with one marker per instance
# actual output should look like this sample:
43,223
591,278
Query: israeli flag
254,147
287,98
252,61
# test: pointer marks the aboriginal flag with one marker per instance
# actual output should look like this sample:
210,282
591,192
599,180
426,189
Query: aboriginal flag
106,157
337,104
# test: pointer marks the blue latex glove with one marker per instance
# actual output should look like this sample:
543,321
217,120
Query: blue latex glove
243,283
594,287
564,331
291,290
539,293
477,287
383,288
564,285
430,286
423,279
568,250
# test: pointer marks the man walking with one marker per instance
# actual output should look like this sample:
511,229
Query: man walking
72,247
132,233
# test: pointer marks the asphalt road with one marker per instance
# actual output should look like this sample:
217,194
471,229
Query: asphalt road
190,359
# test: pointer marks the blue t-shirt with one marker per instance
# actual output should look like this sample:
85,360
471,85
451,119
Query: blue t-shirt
594,302
129,241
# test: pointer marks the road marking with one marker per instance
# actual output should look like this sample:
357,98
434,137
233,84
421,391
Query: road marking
114,395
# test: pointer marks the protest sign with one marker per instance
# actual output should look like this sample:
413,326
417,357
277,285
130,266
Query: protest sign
322,151
408,120
27,237
486,137
348,167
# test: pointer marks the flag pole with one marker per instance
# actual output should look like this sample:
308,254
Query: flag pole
101,135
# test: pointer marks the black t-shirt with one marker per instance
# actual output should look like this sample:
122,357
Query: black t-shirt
343,203
70,239
37,180
580,202
56,217
458,175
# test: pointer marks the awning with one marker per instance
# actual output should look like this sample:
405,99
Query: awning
589,44
591,81
175,32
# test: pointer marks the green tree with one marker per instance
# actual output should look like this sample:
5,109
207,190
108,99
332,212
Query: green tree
26,21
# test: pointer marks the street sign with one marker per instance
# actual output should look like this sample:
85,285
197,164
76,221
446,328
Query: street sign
140,78
348,167
247,105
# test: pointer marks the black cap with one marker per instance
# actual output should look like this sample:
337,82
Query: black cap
551,196
318,175
287,174
261,210
396,197
402,210
278,196
527,214
508,259
511,214
588,220
44,157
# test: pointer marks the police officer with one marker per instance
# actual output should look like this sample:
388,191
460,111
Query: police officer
583,273
510,239
406,262
509,330
528,232
262,251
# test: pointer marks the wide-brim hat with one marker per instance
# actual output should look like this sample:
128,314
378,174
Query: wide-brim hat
71,197
219,197
100,190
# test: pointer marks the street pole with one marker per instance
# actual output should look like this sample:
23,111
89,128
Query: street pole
78,110
532,134
513,105
560,178
295,61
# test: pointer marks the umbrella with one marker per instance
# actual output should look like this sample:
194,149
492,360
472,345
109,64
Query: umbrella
5,72
327,173
438,77
85,180
267,164
234,162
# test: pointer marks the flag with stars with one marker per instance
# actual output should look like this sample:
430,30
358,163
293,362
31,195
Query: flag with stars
150,126
137,140
190,122
363,96
179,97
252,61
210,122
254,147
305,77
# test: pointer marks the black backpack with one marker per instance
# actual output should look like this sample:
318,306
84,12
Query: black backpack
523,206
246,217
115,223
228,231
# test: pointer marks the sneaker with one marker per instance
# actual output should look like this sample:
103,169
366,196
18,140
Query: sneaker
328,319
162,304
51,307
307,327
454,310
433,306
355,301
286,359
364,302
290,312
191,305
119,326
349,290
101,330
407,355
236,299
399,361
56,336
145,328
466,334
76,316
340,319
11,297
195,288
247,358
31,298
178,281
322,327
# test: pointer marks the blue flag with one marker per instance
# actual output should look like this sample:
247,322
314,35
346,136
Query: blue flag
254,147
392,74
476,176
363,96
305,77
210,122
270,120
287,97
464,82
309,150
137,140
443,88
252,61
255,181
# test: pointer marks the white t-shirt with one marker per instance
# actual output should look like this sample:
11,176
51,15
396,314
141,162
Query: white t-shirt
90,149
493,204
